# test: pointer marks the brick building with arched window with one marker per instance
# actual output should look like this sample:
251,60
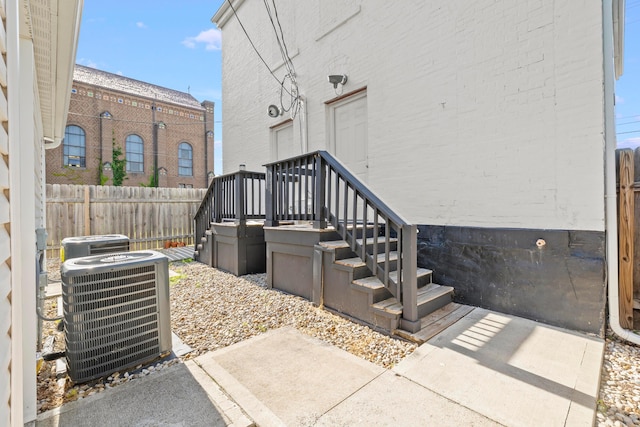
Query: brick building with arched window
163,134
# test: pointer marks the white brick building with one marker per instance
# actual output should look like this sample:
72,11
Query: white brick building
486,123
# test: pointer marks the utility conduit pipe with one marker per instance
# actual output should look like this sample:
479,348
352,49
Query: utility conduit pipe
611,213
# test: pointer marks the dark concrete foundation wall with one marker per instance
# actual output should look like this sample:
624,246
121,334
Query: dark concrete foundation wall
561,283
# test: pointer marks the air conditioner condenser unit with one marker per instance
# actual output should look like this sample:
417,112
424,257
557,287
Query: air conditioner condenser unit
116,312
80,246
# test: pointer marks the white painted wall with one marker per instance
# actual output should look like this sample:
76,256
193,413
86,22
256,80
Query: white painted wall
5,249
484,113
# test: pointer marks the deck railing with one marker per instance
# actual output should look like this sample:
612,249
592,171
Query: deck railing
235,197
316,187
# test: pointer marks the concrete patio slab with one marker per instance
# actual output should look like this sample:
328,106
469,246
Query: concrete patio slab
514,371
393,400
286,377
171,397
487,369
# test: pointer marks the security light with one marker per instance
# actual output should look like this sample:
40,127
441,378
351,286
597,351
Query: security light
337,79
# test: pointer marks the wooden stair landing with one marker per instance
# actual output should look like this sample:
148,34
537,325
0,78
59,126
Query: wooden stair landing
436,322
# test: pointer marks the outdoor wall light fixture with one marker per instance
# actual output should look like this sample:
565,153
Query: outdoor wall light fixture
273,111
106,166
337,79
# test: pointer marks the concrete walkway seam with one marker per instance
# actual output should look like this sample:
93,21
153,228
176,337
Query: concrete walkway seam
249,403
233,414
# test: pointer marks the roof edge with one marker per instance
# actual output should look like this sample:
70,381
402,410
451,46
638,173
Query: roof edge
118,76
225,12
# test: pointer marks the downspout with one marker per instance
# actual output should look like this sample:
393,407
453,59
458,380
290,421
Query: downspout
154,134
51,143
206,151
610,177
304,129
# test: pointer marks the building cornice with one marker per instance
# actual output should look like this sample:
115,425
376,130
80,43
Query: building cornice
225,12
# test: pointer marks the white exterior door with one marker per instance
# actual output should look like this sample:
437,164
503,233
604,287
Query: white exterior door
348,133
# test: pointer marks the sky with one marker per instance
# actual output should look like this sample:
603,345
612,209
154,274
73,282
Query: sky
175,45
628,86
172,44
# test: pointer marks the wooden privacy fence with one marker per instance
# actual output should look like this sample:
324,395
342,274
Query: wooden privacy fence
148,216
628,175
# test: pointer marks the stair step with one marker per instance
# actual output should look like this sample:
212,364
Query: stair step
372,286
423,275
359,268
369,282
334,244
431,293
361,229
343,249
390,306
357,262
436,322
379,240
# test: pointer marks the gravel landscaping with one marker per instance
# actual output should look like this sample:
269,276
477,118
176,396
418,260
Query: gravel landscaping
619,401
211,309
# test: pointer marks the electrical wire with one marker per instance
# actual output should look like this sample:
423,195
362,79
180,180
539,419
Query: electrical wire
294,102
235,13
281,45
628,123
634,116
284,44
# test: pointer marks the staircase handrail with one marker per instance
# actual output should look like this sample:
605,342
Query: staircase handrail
323,177
231,197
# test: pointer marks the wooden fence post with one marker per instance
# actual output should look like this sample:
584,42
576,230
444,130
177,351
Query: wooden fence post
87,210
626,231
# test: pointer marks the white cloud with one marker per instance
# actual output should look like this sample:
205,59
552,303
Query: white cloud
87,63
211,39
120,73
619,100
629,143
141,24
217,144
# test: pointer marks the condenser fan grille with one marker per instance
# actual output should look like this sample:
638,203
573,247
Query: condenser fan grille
105,248
112,319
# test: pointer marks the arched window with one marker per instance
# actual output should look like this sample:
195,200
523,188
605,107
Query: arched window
74,147
134,154
185,159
